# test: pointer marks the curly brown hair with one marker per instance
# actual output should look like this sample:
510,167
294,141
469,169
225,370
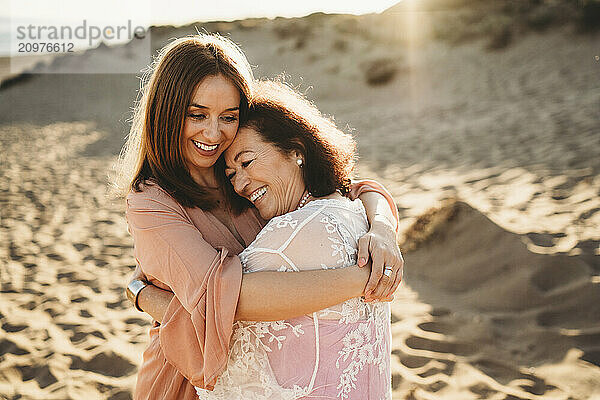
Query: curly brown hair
286,119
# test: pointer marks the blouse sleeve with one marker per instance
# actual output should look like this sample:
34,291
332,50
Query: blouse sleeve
206,283
368,185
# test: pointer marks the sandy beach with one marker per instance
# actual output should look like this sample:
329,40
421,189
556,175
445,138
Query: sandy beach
487,140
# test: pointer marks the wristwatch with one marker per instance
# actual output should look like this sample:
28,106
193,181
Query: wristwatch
133,291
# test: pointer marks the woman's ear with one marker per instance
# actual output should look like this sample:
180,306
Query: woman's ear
298,152
297,157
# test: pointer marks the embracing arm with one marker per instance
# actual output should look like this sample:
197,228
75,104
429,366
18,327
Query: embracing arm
379,212
273,296
381,240
154,300
378,203
266,297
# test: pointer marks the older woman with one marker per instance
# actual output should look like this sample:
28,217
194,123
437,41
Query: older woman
294,165
186,236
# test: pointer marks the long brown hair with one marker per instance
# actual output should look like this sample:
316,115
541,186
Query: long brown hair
154,146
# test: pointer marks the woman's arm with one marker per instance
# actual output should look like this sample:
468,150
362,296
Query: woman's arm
292,293
273,296
381,240
379,211
154,301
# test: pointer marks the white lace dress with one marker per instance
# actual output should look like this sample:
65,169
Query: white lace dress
342,352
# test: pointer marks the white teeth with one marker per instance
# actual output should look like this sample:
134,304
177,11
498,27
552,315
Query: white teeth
258,193
205,147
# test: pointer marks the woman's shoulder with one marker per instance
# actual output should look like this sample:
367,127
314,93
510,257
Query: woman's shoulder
334,203
319,211
150,194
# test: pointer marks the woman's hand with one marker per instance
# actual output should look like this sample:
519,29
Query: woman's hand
380,243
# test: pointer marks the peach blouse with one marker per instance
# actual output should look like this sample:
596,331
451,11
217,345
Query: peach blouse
191,253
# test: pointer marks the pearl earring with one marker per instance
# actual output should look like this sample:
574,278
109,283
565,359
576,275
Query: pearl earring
299,162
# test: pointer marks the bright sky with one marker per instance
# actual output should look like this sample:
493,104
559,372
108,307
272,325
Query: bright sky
180,11
19,13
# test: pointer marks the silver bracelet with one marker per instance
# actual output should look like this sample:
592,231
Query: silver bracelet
133,291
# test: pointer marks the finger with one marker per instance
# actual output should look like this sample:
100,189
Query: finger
395,255
397,281
390,289
363,250
376,273
367,300
384,300
381,288
384,285
400,274
398,271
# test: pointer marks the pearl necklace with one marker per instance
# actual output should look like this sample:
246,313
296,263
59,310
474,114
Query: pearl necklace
303,200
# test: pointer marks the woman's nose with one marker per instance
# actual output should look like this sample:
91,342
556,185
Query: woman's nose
241,182
212,130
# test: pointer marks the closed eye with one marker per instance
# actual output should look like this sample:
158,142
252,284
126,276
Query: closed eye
230,175
229,118
197,116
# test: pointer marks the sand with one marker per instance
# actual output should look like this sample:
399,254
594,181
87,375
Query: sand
491,156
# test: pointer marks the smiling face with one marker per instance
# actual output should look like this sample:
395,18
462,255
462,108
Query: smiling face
211,123
261,173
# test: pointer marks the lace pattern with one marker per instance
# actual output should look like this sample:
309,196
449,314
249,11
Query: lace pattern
324,233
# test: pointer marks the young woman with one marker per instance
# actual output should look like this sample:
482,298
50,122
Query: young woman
186,236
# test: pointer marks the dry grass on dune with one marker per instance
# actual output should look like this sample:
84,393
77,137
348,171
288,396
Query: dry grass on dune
427,225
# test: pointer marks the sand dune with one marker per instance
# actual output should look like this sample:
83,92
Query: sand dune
494,317
502,292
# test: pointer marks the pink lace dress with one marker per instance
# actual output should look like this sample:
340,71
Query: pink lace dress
342,352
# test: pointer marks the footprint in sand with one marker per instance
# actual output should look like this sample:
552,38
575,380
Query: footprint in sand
482,390
511,376
85,314
588,340
437,327
107,363
8,327
42,374
6,346
122,304
448,347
